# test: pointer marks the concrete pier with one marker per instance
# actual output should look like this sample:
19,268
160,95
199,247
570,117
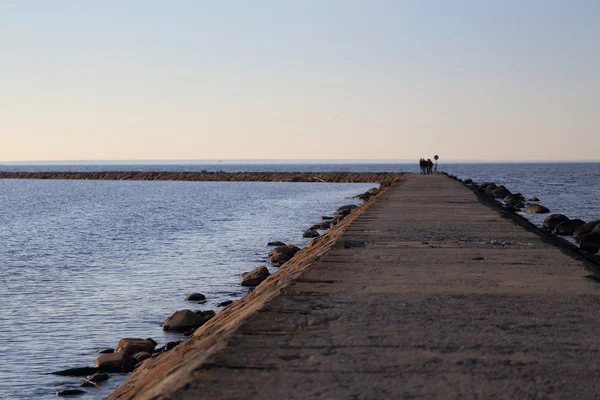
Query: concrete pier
427,294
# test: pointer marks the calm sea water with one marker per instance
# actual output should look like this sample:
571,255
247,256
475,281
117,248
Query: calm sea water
84,263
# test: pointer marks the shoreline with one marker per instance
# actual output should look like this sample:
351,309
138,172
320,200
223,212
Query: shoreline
330,177
212,336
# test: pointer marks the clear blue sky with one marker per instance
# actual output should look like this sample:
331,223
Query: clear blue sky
470,80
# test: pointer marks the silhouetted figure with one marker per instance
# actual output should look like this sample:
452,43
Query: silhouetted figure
429,166
423,166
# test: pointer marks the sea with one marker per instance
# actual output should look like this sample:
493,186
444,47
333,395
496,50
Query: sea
85,263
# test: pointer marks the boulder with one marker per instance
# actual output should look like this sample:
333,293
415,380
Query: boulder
289,250
225,303
279,258
345,210
484,185
169,346
116,362
142,355
536,209
499,192
195,297
311,234
553,220
568,227
489,188
276,243
208,314
326,218
534,199
590,242
255,277
596,229
136,345
321,225
183,320
585,229
106,351
468,181
515,199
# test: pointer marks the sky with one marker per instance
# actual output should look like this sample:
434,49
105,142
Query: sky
306,79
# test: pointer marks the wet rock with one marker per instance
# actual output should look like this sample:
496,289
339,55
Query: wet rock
195,297
70,392
169,346
279,259
311,234
468,181
142,355
484,186
276,243
255,277
499,192
225,303
553,220
585,229
97,378
106,351
290,250
321,225
326,218
136,345
568,227
345,210
534,199
116,362
182,321
208,314
81,371
515,199
596,229
536,209
590,242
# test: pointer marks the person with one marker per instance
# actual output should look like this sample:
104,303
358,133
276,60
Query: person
429,166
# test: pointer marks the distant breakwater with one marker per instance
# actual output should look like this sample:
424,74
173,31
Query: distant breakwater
346,177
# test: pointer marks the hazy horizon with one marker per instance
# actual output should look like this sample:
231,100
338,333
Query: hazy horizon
494,81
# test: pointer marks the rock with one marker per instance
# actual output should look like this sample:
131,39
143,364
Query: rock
326,218
81,371
515,199
290,250
321,225
596,229
196,296
116,362
183,320
136,345
98,377
468,181
590,242
536,209
70,392
310,234
279,259
142,355
106,351
534,199
208,314
483,186
568,227
553,220
255,277
225,303
499,192
345,210
276,243
168,346
585,229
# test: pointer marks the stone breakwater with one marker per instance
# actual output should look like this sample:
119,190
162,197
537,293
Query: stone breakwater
155,373
341,177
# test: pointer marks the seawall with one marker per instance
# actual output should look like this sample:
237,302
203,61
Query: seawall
211,176
422,292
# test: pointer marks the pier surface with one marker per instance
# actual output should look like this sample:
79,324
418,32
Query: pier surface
427,294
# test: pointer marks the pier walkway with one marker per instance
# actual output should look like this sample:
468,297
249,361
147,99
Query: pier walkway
428,294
